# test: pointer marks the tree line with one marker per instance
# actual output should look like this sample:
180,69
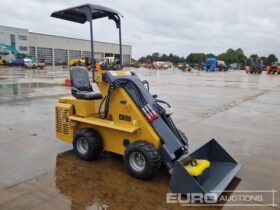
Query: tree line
229,57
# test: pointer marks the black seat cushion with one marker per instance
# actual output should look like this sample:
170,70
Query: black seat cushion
81,86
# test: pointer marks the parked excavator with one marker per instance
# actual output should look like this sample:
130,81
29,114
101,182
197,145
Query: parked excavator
16,57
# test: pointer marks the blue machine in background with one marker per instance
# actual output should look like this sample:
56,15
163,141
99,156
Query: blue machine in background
210,64
17,62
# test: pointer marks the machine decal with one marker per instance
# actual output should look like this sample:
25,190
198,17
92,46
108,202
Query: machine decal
125,117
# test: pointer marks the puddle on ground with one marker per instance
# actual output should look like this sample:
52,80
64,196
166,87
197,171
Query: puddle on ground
21,89
105,183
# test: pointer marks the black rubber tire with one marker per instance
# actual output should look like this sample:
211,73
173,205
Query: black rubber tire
94,141
152,159
184,137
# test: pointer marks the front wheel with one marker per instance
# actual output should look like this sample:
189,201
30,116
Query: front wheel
141,159
87,144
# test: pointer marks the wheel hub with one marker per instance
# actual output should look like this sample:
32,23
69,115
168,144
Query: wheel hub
137,161
82,145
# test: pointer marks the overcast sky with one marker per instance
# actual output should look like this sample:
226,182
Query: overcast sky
164,26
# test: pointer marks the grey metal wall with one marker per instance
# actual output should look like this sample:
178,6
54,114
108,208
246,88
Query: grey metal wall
126,59
78,48
18,33
64,48
55,50
50,41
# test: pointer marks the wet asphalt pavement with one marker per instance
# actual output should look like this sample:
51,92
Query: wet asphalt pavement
37,171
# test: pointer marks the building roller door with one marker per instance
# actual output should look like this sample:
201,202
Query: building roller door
87,54
74,54
60,56
45,54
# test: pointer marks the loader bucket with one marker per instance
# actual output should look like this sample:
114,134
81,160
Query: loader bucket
213,180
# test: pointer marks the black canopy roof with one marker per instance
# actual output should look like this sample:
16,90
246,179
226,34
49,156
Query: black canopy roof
79,13
89,12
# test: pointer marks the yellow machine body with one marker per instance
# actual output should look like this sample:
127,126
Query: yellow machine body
124,121
136,125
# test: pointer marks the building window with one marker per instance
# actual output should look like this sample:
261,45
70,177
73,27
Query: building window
21,37
23,48
13,40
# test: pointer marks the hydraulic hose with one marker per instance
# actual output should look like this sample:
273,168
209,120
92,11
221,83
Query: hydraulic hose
122,83
141,101
163,102
147,83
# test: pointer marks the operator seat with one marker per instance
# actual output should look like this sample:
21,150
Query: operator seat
81,86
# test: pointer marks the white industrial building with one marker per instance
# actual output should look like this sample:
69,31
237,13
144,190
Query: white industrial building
57,50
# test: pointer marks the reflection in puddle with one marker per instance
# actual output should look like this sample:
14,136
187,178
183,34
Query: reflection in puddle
105,183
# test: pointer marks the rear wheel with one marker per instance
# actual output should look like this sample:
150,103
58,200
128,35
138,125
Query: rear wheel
141,159
87,144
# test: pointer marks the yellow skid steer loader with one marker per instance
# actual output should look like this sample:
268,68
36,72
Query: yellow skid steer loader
124,118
